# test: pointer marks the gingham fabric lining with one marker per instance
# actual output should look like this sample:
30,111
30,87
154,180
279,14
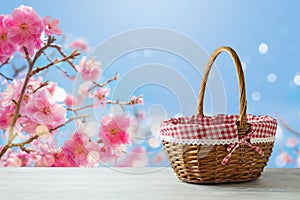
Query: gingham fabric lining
220,129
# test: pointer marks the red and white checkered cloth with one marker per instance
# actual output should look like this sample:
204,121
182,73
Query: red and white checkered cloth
220,129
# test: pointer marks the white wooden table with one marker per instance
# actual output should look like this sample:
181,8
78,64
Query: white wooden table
137,183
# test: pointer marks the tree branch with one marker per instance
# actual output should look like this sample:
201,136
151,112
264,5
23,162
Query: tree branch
7,78
21,145
5,62
117,102
30,73
31,63
59,49
59,68
71,119
39,52
75,110
285,125
115,77
17,71
41,86
56,61
27,55
11,134
23,148
100,141
5,148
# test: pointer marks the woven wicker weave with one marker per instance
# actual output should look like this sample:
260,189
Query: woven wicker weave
202,163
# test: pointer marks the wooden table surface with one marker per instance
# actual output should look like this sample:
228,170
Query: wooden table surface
137,183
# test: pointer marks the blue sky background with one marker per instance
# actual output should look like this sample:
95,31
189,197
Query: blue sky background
243,25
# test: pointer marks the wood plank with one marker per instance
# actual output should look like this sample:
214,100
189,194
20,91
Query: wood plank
137,183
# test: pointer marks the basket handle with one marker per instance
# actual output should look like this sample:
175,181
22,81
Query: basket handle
241,79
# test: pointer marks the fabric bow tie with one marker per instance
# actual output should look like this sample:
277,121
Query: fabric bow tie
231,148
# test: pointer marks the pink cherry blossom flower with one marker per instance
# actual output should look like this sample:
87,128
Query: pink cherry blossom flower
31,47
24,27
42,109
158,158
89,128
90,70
140,115
4,159
46,160
49,155
12,92
111,154
136,158
51,87
71,101
16,159
3,58
80,44
7,48
60,160
77,149
25,158
136,100
13,161
84,88
100,95
28,125
59,94
291,142
113,129
283,159
6,114
51,27
7,106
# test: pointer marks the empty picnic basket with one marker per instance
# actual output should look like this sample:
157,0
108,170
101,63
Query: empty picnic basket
221,148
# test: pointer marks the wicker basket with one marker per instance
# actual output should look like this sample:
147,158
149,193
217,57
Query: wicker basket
200,157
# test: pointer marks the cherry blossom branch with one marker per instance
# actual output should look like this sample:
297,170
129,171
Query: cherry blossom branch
115,77
285,125
7,78
41,86
59,68
75,110
100,141
59,49
71,119
3,150
27,55
21,145
56,61
11,134
4,63
39,52
23,148
17,71
120,103
31,63
116,102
